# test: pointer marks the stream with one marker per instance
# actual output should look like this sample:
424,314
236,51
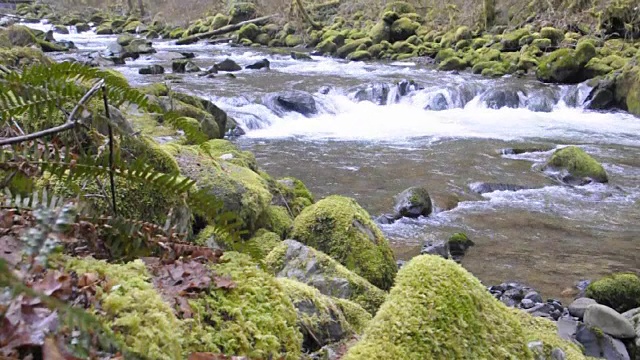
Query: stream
371,139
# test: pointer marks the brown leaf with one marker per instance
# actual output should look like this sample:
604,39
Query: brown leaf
224,282
55,284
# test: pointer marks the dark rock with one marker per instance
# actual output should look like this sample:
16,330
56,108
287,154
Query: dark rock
483,188
82,27
140,46
567,328
541,309
296,55
500,98
228,65
527,304
325,90
600,345
438,103
440,248
376,93
188,55
609,321
184,66
264,63
407,86
413,202
512,297
459,243
386,219
48,36
151,70
533,296
524,150
209,72
296,101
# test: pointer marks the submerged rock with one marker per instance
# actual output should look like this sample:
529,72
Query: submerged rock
574,166
228,65
413,202
151,70
377,93
184,66
264,63
340,227
483,188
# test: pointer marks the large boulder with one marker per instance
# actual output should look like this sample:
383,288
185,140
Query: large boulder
296,101
618,291
403,28
438,310
566,65
413,202
600,345
305,264
292,194
242,11
609,321
573,165
339,227
579,306
320,320
228,65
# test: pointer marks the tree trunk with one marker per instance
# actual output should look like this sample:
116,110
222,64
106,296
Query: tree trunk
130,6
306,16
489,13
141,8
223,30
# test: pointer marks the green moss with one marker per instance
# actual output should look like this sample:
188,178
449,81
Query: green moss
293,40
627,90
133,309
148,151
578,163
177,33
619,291
595,67
585,51
242,11
320,320
403,28
17,35
463,33
540,329
327,47
255,319
228,151
542,44
131,27
339,227
559,66
47,46
219,21
445,54
403,47
437,310
16,57
249,31
317,269
352,46
399,7
554,35
511,41
452,63
355,314
615,62
380,32
360,55
276,219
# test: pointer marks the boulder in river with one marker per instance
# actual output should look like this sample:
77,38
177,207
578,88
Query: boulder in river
264,63
600,345
413,202
376,93
296,101
574,166
151,70
618,291
297,55
60,29
500,98
228,65
184,66
483,188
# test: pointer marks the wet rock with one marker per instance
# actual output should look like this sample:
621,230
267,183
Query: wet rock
82,27
523,150
386,219
500,98
184,66
296,101
459,243
151,70
439,248
567,328
575,167
188,55
376,93
297,55
228,65
600,345
438,103
609,321
264,63
406,87
483,188
512,297
413,202
140,46
533,296
579,306
527,304
600,99
209,72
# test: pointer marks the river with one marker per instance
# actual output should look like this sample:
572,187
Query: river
447,135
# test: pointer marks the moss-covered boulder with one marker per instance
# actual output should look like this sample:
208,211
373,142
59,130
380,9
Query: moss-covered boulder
297,261
277,219
291,193
342,229
360,55
16,57
249,31
437,310
403,28
219,21
399,7
463,33
242,11
255,319
241,190
257,247
17,35
576,166
452,63
228,151
560,66
132,27
552,34
320,320
355,314
134,309
352,46
618,291
380,32
212,119
511,41
627,89
293,40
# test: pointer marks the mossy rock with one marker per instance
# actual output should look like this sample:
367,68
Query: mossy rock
560,66
257,246
104,30
462,45
445,54
403,28
585,51
578,164
225,150
554,35
596,67
498,66
132,27
17,35
144,322
352,46
452,63
249,31
438,310
511,41
339,227
219,21
360,55
619,291
614,61
17,57
627,89
403,47
61,29
380,32
263,39
463,33
201,109
177,33
479,43
255,319
292,194
399,7
292,40
297,261
355,314
320,320
327,47
538,329
542,44
276,219
241,190
487,54
242,11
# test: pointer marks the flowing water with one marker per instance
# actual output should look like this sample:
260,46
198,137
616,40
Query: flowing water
371,139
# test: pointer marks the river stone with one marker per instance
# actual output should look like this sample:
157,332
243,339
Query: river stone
574,166
567,328
533,296
264,63
483,188
600,345
500,98
579,306
376,93
228,65
413,202
184,66
609,321
631,313
296,101
459,243
438,102
440,248
151,70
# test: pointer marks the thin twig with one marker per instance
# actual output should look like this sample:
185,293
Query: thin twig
113,183
70,124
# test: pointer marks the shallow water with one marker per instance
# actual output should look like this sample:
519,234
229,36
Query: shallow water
548,237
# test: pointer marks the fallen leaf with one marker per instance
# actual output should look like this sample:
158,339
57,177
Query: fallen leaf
224,282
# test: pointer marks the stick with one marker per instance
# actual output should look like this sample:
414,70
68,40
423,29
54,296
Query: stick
306,16
70,124
113,183
223,30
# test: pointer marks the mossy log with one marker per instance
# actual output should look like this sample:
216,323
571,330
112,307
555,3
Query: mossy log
222,30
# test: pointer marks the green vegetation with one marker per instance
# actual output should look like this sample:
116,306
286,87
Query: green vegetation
618,291
578,163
